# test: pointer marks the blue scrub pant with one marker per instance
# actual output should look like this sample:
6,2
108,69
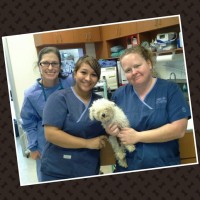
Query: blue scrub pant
45,177
38,166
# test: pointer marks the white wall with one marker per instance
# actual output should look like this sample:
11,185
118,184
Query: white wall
23,56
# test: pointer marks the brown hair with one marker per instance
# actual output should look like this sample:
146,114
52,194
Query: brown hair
142,51
92,62
47,50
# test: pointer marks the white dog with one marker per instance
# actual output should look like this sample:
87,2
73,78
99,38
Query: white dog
107,112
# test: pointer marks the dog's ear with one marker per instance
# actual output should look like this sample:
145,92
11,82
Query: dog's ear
113,103
91,113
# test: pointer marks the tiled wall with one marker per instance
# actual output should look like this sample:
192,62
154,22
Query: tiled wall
166,67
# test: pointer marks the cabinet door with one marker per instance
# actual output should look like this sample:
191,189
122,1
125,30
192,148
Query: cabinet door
87,35
127,29
148,25
119,30
187,147
64,37
109,32
167,22
154,24
54,38
44,39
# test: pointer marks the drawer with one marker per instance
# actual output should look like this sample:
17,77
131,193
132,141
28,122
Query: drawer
188,160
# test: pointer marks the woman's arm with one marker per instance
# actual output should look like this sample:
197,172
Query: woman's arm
174,130
65,140
29,122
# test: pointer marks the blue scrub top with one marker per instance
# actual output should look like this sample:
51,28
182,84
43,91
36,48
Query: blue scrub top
32,110
65,110
164,104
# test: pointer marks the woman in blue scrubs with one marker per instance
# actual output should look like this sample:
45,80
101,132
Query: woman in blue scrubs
73,139
156,109
49,64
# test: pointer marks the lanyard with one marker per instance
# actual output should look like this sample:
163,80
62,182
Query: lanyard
43,90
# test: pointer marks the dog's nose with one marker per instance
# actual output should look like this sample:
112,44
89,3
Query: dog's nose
103,115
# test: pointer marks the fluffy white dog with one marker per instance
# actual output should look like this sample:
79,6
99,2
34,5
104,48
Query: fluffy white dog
107,112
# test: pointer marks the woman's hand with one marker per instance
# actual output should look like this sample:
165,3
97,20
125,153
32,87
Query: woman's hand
35,155
112,129
97,142
128,136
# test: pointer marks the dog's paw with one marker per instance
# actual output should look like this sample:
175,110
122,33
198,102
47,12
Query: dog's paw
120,155
123,163
130,147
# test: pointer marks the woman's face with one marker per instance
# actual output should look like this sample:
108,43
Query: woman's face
49,71
85,78
137,69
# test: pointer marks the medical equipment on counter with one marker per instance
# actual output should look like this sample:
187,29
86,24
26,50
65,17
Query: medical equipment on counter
166,37
132,40
121,75
110,74
166,41
101,88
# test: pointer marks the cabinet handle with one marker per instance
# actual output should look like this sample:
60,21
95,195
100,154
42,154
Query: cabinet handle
86,36
156,22
159,22
56,36
117,31
90,36
60,38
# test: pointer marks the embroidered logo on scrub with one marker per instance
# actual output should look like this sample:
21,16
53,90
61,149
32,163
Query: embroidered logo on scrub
183,109
67,156
161,100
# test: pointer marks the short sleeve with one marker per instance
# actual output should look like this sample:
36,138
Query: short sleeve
177,107
55,110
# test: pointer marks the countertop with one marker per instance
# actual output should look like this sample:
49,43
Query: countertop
190,125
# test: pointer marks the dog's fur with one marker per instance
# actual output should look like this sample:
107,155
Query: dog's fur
107,112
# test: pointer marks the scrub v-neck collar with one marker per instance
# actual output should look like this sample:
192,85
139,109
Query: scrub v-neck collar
143,101
86,106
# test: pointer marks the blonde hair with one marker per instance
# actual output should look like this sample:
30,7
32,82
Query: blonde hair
142,51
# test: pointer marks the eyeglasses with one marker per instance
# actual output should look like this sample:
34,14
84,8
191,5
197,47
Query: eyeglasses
47,64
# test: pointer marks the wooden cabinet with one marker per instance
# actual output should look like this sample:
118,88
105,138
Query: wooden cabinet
54,38
118,30
63,37
107,156
86,35
68,37
187,148
108,36
149,25
44,39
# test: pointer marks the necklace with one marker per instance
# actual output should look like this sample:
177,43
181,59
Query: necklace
43,89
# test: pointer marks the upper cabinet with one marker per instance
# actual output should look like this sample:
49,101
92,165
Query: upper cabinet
63,37
118,30
44,39
107,36
85,35
154,24
54,38
68,37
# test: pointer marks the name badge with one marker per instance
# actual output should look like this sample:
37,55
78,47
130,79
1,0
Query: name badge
67,156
